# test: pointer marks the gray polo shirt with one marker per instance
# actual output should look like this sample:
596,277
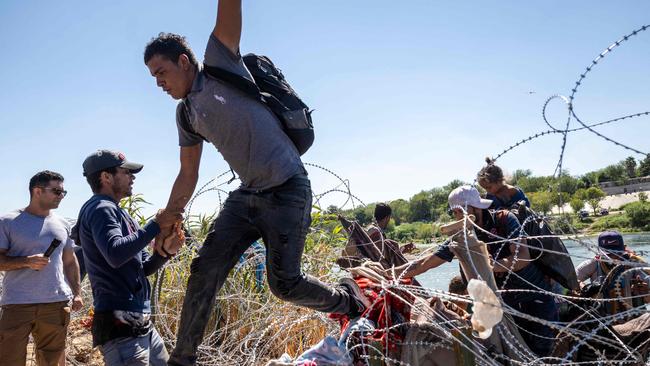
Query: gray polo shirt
244,131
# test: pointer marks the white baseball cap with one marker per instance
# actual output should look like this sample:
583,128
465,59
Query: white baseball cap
467,196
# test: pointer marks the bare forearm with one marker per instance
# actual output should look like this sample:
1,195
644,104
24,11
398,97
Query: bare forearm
419,266
182,191
71,272
8,263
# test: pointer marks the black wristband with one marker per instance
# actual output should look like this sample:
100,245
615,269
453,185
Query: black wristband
169,255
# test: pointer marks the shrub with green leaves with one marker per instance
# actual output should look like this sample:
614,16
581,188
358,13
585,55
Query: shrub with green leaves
638,213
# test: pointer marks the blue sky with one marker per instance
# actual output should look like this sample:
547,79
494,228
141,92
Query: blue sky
408,95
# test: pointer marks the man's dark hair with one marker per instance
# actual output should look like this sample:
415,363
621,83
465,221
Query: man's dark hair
457,286
382,211
95,181
171,46
42,179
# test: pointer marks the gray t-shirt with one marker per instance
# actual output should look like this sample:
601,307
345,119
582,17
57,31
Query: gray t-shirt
23,234
245,131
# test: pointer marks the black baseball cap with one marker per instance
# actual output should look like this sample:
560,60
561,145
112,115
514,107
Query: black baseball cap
104,159
611,240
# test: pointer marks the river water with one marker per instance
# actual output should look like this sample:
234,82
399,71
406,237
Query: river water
438,278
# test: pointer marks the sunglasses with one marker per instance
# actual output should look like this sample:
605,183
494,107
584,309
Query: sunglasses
56,191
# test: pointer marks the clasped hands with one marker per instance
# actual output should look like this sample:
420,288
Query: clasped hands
172,236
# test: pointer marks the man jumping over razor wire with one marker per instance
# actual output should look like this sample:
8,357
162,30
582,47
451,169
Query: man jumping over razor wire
220,103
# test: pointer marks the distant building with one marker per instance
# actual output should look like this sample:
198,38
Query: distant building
628,186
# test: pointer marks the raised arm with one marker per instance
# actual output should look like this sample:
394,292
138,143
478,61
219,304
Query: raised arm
228,27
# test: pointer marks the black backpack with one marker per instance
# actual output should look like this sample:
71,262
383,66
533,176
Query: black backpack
557,264
272,89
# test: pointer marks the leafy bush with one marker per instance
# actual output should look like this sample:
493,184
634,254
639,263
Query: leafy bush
414,231
611,222
638,213
563,224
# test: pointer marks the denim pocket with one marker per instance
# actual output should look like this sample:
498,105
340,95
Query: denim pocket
291,197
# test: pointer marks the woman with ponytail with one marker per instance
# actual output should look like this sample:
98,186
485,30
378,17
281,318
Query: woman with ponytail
503,195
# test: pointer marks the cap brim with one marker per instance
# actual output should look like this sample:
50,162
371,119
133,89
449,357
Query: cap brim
134,168
484,203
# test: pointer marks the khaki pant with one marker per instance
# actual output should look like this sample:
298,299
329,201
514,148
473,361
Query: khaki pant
48,324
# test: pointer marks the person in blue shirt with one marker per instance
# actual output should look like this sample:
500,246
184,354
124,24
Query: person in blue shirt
117,263
512,267
503,195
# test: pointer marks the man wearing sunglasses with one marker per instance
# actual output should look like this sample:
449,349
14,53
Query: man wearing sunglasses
117,263
36,289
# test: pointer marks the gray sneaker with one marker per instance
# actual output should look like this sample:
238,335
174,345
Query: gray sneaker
359,302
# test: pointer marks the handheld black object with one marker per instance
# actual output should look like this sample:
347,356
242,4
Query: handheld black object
55,243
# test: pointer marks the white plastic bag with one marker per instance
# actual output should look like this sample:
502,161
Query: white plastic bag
487,311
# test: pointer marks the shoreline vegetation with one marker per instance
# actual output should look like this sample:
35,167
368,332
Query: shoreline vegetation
418,218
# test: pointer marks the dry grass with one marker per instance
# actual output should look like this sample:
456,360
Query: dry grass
248,325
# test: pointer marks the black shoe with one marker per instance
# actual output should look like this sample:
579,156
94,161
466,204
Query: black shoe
358,302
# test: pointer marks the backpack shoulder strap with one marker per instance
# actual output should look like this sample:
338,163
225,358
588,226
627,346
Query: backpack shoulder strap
235,80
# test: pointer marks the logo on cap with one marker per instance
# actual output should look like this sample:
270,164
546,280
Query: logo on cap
121,156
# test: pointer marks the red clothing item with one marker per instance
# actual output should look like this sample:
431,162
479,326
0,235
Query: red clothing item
387,310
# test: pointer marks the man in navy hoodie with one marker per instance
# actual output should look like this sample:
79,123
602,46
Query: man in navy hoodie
118,265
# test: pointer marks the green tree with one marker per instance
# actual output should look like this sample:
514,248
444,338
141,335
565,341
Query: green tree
420,207
593,196
643,197
400,209
589,179
612,173
560,198
535,184
519,174
638,213
577,204
568,184
453,185
630,167
541,201
581,193
361,216
644,166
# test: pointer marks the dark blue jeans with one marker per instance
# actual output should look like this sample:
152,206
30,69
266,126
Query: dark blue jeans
538,337
281,217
